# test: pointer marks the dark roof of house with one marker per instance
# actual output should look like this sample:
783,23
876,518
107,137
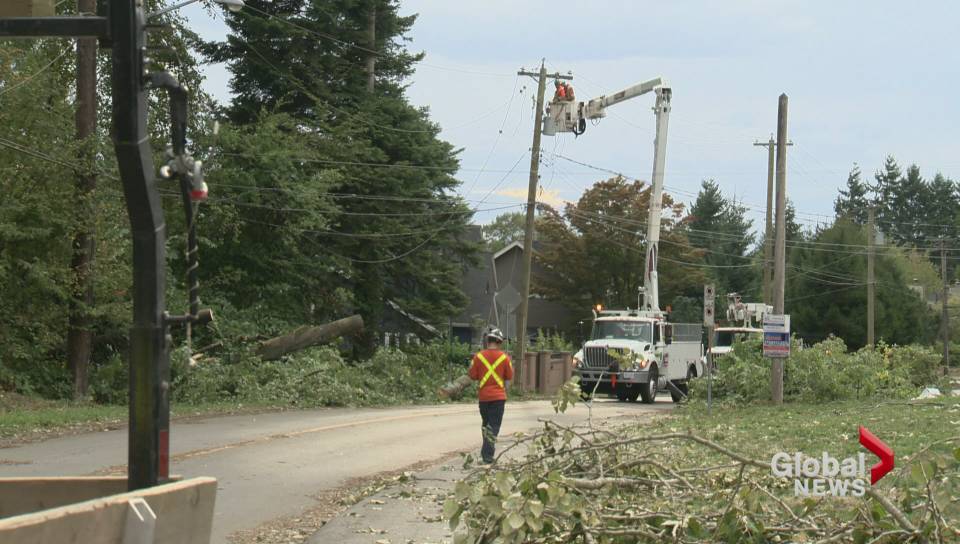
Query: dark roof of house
549,314
478,286
474,233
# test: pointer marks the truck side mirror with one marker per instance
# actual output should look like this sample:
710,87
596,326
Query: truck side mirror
668,334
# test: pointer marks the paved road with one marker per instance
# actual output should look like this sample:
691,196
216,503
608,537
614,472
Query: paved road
271,465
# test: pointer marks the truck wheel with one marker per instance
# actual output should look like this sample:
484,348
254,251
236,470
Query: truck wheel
648,391
683,385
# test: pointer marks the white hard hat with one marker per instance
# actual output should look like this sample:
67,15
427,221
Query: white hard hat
494,333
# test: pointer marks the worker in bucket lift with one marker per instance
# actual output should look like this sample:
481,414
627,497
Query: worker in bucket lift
493,369
560,92
569,92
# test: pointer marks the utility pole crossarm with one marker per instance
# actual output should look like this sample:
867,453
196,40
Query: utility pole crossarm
555,75
772,142
49,27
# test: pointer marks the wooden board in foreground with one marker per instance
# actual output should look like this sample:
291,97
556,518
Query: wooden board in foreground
26,8
184,513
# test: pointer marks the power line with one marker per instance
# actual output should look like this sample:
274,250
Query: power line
372,235
824,293
34,75
357,116
32,152
793,244
364,49
243,204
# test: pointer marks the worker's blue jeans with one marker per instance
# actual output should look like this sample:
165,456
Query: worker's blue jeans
491,415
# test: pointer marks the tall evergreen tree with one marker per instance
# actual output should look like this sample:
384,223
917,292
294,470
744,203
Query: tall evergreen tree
794,230
886,193
942,207
912,199
827,295
719,226
853,201
397,225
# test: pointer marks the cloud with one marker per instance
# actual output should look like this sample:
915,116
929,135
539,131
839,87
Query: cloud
550,197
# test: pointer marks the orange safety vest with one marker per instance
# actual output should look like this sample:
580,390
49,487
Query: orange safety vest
491,368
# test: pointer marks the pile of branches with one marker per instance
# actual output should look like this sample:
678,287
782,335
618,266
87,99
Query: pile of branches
583,484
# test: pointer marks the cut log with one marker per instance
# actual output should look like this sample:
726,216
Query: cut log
305,337
454,388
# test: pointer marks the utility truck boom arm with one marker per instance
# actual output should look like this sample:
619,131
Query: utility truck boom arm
651,288
568,116
596,108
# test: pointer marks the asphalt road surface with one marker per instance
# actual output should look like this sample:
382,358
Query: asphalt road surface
272,465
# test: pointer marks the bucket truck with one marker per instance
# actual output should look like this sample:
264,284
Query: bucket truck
635,353
744,320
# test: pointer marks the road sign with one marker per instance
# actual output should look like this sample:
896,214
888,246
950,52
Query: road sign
708,304
776,335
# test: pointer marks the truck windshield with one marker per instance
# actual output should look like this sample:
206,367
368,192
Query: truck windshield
622,330
728,338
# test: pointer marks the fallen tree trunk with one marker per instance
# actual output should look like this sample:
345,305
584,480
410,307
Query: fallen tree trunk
305,337
454,388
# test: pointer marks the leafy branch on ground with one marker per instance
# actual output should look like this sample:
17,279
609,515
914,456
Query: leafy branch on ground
628,483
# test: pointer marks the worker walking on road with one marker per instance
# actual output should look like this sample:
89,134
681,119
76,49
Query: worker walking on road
493,369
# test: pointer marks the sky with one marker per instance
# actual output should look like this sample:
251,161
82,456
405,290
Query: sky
864,80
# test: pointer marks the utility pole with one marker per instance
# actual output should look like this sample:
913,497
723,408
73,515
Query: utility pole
79,332
871,289
528,235
768,232
780,257
945,317
372,46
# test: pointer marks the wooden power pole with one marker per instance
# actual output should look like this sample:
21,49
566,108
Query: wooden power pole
871,289
780,256
768,233
528,233
79,328
945,317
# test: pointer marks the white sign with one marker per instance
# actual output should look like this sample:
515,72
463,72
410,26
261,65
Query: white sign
776,323
776,335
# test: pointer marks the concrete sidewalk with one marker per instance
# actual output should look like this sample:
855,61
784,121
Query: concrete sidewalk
406,513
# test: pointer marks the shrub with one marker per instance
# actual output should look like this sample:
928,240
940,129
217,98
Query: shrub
824,372
551,341
110,381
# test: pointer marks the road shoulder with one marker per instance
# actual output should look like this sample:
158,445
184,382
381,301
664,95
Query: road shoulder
407,512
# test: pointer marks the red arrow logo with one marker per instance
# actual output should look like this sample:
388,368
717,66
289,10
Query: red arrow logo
881,450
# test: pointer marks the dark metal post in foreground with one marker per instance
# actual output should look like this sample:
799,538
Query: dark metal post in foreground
123,30
149,435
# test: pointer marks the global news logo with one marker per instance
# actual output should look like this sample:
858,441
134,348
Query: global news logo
827,475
